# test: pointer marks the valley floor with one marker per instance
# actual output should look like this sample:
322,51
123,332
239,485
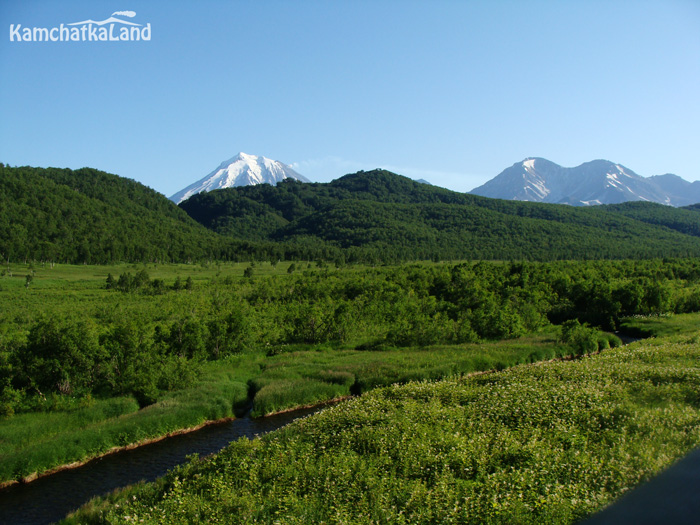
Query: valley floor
551,443
97,358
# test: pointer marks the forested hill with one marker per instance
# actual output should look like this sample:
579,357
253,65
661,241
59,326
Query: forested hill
90,216
383,216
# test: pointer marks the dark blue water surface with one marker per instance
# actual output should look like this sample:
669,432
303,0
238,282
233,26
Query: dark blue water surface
51,498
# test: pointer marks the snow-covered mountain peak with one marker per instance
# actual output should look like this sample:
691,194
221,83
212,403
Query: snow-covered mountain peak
242,170
595,182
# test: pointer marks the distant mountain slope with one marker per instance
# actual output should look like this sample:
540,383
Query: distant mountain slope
241,170
386,214
680,191
90,216
683,220
595,182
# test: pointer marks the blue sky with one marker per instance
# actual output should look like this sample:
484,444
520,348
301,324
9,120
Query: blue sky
449,91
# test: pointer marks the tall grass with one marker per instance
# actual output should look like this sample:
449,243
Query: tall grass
303,377
661,325
37,442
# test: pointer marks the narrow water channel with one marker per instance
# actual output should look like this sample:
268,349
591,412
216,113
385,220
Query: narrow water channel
51,498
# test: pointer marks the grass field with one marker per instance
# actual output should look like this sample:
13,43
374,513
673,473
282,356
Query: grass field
39,441
278,370
546,443
63,429
661,326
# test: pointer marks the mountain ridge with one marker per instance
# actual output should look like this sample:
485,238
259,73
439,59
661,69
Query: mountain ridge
599,181
396,218
86,215
370,217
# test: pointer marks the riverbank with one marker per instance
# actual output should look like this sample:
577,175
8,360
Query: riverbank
551,443
32,515
352,371
148,441
34,443
114,450
34,476
49,499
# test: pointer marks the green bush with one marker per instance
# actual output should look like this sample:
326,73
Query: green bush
10,399
583,340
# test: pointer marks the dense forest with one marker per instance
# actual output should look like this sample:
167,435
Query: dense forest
383,217
87,216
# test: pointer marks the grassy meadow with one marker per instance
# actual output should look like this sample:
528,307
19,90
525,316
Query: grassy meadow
661,325
38,441
546,443
97,357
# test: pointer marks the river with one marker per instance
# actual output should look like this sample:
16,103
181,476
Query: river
51,498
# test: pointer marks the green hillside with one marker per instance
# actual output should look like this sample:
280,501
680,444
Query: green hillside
383,215
684,220
90,216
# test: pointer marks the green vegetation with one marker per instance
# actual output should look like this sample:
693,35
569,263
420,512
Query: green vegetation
141,335
188,343
378,216
97,357
550,443
305,377
661,325
69,430
88,216
683,220
211,341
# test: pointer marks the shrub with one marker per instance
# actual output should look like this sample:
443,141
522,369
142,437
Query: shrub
582,338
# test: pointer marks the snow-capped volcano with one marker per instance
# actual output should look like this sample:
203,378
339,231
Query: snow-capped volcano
595,182
241,170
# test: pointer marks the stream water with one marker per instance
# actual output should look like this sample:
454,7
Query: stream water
51,498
